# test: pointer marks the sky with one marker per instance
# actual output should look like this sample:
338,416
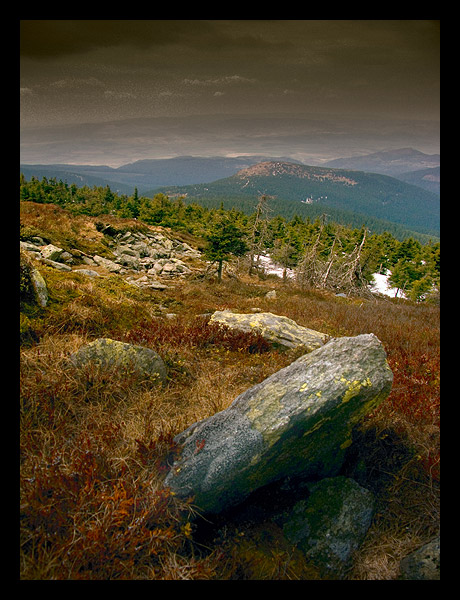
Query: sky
119,90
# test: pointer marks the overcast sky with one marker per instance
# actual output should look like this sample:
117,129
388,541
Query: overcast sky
81,71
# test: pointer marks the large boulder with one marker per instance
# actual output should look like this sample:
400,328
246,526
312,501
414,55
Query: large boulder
297,422
277,329
105,353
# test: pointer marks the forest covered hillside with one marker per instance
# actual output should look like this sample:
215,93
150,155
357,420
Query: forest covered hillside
308,191
290,241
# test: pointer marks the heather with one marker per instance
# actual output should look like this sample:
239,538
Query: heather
94,451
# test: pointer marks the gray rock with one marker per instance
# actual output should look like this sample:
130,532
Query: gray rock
37,240
105,353
39,285
131,262
331,523
126,250
51,252
56,265
67,258
88,272
146,282
276,329
88,260
110,265
297,422
424,563
29,247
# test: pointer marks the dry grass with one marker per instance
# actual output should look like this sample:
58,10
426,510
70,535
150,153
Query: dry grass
93,453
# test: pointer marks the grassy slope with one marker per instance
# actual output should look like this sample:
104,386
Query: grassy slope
92,450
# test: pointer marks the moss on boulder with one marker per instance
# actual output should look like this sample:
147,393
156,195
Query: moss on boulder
331,523
105,353
297,422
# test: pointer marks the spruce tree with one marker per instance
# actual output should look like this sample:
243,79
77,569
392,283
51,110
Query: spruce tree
224,240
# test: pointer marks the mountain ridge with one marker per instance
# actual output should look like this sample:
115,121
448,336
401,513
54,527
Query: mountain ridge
147,174
388,162
300,188
368,194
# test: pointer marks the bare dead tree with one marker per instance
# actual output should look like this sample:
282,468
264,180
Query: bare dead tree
309,270
339,272
259,231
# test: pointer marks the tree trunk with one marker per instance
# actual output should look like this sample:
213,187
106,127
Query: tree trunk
219,271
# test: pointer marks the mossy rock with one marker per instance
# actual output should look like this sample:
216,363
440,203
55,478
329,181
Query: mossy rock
32,286
126,359
331,523
297,422
279,330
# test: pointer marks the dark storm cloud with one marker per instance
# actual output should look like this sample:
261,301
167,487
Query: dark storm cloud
53,38
95,71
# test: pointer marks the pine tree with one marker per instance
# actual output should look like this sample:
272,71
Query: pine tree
224,240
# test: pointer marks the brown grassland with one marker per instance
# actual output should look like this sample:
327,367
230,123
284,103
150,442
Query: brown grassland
92,504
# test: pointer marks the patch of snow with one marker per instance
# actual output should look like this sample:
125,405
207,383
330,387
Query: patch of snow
271,268
382,286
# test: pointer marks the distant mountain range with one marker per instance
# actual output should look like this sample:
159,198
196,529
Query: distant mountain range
149,174
354,194
407,164
390,162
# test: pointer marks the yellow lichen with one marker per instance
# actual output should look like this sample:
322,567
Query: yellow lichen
345,444
316,426
354,387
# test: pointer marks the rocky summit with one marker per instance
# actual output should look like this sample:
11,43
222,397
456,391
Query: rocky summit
297,423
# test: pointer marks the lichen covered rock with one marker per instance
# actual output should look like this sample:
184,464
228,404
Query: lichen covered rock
39,285
105,353
277,329
297,422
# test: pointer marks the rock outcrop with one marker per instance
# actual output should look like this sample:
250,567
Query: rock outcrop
297,422
278,330
105,353
150,253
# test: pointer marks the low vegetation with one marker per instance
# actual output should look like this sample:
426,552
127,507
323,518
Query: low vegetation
93,452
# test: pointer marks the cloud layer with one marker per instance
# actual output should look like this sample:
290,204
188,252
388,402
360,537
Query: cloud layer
94,71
